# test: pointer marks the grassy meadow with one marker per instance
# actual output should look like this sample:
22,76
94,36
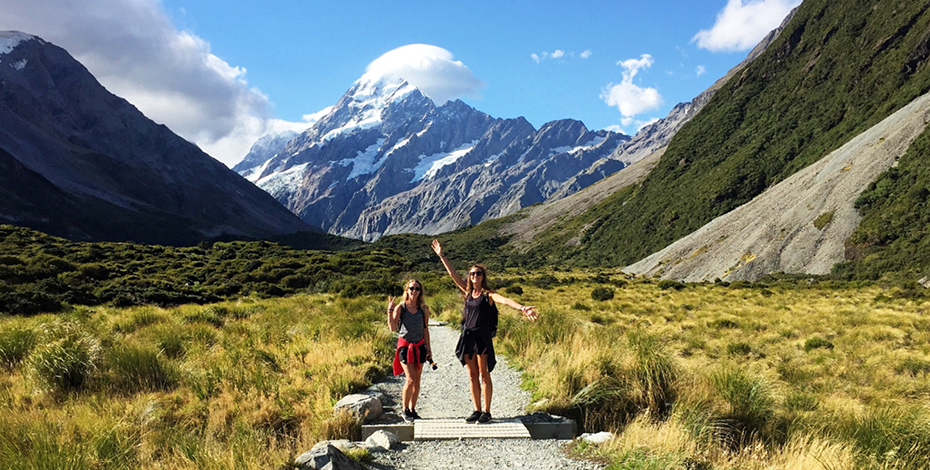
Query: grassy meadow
247,384
788,375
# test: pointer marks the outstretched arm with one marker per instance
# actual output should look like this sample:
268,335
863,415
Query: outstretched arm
448,265
528,311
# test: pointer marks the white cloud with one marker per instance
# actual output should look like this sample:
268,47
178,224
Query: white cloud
133,49
430,69
629,98
700,70
557,54
741,26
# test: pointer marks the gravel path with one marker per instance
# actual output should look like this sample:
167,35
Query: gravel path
445,394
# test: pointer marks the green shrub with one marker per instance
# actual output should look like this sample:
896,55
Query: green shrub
602,293
670,284
15,345
515,290
817,342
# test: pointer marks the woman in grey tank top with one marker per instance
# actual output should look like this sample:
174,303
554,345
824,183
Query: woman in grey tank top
411,321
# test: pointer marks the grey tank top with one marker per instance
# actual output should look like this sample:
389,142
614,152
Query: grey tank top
411,324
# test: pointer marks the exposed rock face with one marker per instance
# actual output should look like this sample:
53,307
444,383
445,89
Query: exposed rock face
799,225
83,163
386,160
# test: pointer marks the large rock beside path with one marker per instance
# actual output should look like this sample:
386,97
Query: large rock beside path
326,458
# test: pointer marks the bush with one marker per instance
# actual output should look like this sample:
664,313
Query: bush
515,290
670,284
817,342
602,293
15,345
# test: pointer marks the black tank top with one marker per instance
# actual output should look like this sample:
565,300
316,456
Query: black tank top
478,312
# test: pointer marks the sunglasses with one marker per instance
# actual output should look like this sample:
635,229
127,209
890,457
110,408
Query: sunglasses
476,273
414,289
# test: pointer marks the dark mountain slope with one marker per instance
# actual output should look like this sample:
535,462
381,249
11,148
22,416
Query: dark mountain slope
89,165
836,70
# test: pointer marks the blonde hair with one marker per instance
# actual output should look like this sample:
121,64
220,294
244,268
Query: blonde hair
419,297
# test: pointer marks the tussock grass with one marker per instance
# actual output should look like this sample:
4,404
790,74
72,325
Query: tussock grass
699,377
784,375
246,384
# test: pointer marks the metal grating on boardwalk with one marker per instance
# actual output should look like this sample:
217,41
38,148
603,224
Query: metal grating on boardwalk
433,429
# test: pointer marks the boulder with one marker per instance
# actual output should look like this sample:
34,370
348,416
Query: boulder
597,438
341,444
381,441
326,458
363,406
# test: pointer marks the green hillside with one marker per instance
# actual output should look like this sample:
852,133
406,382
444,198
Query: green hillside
837,69
894,235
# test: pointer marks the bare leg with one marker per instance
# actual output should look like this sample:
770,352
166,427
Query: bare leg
474,375
407,392
415,373
486,379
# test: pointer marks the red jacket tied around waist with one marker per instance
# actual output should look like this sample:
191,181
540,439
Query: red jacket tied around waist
413,354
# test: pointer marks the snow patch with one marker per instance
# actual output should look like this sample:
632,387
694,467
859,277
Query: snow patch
19,65
284,181
566,149
10,39
364,161
430,165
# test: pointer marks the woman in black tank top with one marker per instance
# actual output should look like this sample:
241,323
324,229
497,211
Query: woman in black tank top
475,348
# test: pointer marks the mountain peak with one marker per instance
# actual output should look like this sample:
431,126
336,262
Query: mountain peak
10,39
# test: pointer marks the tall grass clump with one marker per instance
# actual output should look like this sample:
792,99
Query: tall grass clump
139,369
749,408
15,344
643,381
888,436
68,362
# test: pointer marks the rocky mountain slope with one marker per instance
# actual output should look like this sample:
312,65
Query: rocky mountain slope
83,163
799,225
387,160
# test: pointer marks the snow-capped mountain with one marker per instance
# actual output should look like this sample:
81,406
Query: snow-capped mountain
263,150
387,160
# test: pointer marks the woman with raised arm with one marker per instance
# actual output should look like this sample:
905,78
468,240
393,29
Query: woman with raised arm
411,321
475,348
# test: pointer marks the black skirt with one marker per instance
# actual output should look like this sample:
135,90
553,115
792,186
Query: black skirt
476,341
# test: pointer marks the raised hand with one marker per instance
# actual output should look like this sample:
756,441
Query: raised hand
437,248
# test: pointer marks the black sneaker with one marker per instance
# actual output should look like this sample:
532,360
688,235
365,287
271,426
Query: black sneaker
484,418
474,417
414,415
408,416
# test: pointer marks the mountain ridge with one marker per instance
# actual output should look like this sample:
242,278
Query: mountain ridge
117,175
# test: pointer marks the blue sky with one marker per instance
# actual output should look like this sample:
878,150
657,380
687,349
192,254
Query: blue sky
222,73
